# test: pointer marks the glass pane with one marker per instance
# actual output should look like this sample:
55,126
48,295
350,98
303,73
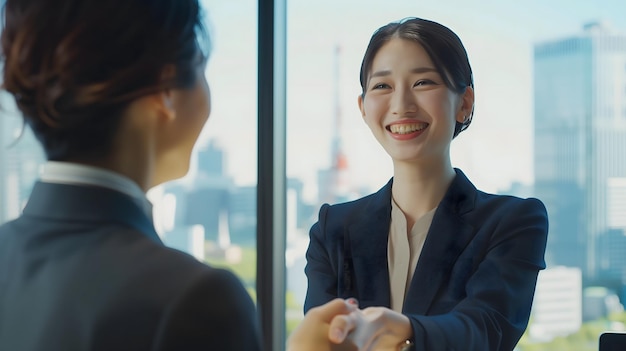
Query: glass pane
549,122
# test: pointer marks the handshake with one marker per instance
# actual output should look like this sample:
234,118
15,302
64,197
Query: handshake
340,325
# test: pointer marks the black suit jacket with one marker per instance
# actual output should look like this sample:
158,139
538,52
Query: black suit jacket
83,269
475,279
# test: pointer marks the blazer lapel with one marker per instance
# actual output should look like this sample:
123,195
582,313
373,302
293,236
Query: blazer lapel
366,243
88,203
447,238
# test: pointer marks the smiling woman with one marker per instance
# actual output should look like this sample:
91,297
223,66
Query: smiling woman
450,266
443,53
117,106
405,96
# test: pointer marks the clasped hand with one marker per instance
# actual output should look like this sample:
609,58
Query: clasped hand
340,325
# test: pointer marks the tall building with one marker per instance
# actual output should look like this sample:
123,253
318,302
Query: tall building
202,200
580,140
612,262
557,306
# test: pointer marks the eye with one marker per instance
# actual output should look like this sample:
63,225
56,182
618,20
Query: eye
423,82
380,86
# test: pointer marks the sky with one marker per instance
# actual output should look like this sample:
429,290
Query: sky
494,152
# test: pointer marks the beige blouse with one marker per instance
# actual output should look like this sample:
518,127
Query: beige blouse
403,251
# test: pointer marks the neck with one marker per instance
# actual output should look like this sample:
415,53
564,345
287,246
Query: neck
127,164
131,155
418,188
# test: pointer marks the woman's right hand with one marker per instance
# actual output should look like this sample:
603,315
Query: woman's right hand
375,329
324,328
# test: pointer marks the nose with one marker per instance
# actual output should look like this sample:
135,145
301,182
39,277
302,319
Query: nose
403,102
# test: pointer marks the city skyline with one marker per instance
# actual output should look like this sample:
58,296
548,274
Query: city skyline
495,152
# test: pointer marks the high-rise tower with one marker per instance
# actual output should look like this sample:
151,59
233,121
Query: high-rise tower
333,183
580,141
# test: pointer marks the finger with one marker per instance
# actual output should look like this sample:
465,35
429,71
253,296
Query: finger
333,308
342,325
353,302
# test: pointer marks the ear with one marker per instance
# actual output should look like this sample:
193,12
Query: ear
466,106
162,106
167,96
361,107
167,105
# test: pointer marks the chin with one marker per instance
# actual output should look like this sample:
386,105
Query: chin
177,174
170,173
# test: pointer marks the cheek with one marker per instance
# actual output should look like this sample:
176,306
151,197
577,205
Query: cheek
374,111
208,102
205,99
193,112
441,106
454,103
199,106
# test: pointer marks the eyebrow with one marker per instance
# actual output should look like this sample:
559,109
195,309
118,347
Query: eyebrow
414,70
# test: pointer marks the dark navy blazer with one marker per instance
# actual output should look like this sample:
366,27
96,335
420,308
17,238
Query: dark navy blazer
475,279
83,269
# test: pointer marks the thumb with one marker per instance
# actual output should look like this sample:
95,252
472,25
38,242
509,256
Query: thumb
333,308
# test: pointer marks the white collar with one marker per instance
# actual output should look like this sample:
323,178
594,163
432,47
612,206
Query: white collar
78,174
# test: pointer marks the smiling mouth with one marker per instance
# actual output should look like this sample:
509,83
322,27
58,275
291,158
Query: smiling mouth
406,128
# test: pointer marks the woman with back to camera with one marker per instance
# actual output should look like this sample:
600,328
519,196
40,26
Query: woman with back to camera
445,265
115,92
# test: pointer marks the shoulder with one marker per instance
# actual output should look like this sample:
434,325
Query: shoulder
508,204
156,260
215,309
504,217
212,302
218,290
486,210
135,264
349,207
472,199
366,205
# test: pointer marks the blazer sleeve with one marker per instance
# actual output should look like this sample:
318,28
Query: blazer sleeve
214,312
499,294
321,275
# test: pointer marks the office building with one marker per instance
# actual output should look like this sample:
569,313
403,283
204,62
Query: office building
557,306
580,139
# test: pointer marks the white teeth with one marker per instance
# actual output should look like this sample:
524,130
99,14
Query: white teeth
406,128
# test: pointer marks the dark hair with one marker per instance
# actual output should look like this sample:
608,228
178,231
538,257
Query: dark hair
73,66
443,46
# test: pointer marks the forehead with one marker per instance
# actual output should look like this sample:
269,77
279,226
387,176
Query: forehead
400,53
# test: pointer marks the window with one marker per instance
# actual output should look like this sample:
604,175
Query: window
331,155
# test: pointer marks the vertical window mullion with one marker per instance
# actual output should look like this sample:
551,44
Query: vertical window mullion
271,193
